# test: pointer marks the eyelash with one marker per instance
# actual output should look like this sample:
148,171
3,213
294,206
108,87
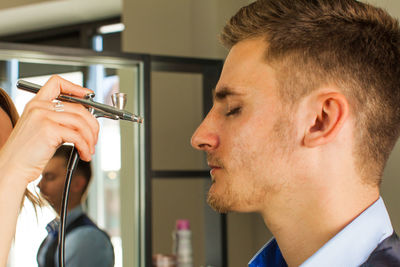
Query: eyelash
233,111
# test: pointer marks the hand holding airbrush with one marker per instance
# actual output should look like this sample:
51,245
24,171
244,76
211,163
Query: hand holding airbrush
98,110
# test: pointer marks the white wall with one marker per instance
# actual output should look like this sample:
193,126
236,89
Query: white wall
29,15
177,27
15,3
392,6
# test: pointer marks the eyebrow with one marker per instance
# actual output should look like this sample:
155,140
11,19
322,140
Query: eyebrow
223,93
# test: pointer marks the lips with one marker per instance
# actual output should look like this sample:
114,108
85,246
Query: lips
214,168
214,163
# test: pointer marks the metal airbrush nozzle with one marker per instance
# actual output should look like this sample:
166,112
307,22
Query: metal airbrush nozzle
136,118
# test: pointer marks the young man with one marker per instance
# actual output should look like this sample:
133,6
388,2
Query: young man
26,149
85,243
305,115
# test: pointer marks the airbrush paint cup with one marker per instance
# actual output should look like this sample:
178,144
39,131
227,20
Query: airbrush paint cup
119,100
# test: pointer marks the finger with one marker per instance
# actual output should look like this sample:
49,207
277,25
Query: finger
56,85
42,115
76,109
73,115
72,108
77,123
80,110
70,136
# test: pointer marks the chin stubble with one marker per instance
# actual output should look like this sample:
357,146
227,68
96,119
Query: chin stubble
221,203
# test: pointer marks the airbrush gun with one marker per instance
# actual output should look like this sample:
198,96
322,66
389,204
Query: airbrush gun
115,112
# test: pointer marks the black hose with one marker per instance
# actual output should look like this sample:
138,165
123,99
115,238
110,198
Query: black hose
72,163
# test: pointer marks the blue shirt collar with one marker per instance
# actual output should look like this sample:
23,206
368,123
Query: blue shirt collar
72,215
269,255
350,247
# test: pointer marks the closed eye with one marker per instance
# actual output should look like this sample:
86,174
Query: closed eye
49,176
233,111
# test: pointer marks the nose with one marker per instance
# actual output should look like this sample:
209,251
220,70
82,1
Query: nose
205,137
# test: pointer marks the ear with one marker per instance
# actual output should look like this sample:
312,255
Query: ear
329,112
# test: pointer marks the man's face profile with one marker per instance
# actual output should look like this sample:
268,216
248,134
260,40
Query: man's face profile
245,132
52,183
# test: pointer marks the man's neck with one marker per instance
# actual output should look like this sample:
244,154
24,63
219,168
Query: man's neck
303,224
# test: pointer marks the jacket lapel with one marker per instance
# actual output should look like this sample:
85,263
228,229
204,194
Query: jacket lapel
387,253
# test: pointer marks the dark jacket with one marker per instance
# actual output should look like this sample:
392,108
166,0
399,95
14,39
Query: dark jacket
82,220
386,254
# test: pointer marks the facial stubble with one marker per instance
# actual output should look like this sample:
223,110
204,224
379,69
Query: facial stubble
282,138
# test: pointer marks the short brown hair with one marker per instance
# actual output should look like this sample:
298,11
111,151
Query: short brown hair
345,43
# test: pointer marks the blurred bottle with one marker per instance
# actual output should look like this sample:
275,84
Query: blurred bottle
160,260
182,245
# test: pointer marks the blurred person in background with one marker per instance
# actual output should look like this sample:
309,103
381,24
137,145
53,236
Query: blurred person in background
85,243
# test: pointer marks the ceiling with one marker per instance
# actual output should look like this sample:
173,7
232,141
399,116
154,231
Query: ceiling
56,13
